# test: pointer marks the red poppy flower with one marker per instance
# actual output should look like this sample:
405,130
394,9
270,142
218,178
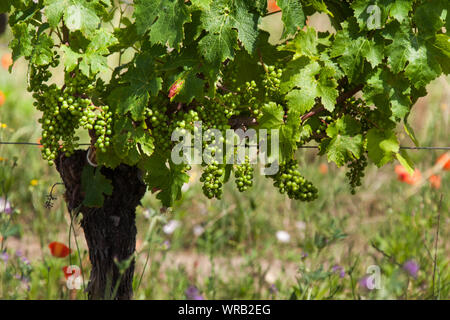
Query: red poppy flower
323,168
435,181
404,176
2,98
444,160
7,60
68,273
59,250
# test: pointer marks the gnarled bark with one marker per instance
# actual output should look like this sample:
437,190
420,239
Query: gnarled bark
110,231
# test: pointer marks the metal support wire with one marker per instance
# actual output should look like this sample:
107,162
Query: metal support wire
301,147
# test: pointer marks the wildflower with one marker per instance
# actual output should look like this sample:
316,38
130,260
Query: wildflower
435,181
366,283
198,230
338,269
304,255
171,226
7,60
2,98
5,206
273,289
59,250
300,225
72,273
19,254
148,213
192,293
34,182
3,125
69,271
412,268
323,168
4,256
166,245
444,161
404,176
25,260
66,272
283,236
25,281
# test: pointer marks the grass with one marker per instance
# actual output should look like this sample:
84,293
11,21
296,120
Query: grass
228,249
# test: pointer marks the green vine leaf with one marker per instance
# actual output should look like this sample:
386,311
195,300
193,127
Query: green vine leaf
163,18
352,49
345,141
412,53
389,92
313,81
77,14
292,15
382,146
142,83
94,186
221,23
166,180
94,59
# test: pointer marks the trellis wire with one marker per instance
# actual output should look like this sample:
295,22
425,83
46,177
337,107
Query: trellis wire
301,147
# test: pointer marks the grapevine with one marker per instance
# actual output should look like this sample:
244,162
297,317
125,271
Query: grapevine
215,68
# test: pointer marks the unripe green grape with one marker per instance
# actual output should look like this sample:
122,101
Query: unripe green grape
289,180
244,175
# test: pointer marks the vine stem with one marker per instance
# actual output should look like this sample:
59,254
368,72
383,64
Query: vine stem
436,242
148,238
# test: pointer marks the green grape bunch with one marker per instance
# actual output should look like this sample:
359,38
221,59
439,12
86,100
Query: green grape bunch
244,175
212,178
289,180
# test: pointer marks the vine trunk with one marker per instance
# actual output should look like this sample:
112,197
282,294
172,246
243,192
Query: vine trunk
110,230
